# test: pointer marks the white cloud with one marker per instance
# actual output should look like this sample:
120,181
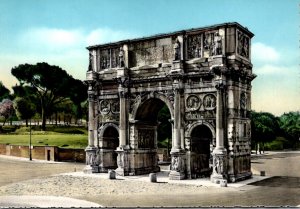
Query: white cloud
105,35
275,70
264,53
52,38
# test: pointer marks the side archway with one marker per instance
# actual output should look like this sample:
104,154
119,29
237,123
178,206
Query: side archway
201,143
108,143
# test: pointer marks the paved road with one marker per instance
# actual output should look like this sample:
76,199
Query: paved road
282,189
15,169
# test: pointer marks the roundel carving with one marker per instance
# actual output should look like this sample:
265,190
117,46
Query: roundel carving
104,107
193,102
209,102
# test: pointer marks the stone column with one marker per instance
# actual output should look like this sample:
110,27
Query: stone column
219,153
91,150
123,119
178,164
177,121
124,82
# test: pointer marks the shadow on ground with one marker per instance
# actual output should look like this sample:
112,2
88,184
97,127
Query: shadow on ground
279,181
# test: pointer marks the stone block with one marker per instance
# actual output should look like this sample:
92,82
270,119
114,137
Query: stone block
223,183
153,177
111,174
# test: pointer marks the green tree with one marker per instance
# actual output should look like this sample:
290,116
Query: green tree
25,109
4,92
6,109
290,126
50,84
264,128
164,130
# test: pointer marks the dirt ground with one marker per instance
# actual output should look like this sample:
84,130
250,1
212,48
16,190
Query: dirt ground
36,178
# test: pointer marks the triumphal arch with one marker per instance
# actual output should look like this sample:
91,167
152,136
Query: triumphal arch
203,76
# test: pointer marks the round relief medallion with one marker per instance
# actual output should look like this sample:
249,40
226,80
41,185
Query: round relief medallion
193,102
209,102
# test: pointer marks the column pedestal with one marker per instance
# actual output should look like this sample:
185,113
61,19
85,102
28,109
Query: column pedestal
177,166
91,160
122,169
219,165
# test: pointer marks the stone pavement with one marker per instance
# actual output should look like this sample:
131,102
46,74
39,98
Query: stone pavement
43,202
163,177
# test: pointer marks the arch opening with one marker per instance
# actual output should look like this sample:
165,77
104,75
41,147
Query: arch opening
110,142
201,142
154,131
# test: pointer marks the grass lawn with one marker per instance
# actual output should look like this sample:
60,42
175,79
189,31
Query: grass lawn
53,139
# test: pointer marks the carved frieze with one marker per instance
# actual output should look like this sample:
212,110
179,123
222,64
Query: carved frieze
200,115
146,138
243,43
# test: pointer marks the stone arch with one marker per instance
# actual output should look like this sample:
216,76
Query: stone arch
107,125
140,100
198,123
200,139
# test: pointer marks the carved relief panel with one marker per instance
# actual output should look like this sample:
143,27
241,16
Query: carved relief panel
109,58
152,52
243,44
204,45
194,46
146,138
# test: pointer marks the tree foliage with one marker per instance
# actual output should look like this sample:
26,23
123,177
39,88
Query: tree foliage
4,92
6,109
290,126
48,84
264,127
25,109
164,130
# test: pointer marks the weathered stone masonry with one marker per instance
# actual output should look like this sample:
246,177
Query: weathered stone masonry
202,75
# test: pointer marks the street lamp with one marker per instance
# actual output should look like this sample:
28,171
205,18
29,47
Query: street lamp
30,154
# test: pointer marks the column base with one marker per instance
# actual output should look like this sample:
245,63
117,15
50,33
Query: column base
89,169
175,175
216,178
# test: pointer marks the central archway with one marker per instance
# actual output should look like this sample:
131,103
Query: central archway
201,140
152,121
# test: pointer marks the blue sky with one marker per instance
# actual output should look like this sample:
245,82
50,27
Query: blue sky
57,32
